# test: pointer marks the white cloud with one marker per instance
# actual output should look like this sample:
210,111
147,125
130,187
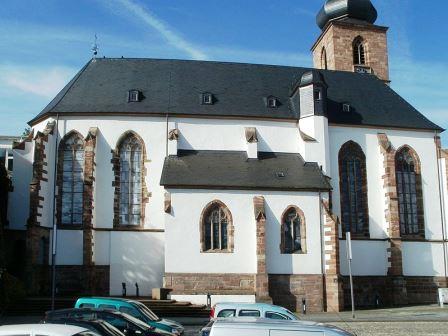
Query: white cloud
171,36
44,82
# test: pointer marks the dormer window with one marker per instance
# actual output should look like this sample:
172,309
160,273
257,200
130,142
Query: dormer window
317,95
207,99
134,96
272,102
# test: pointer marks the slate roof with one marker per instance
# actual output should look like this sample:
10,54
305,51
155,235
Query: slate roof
233,170
174,87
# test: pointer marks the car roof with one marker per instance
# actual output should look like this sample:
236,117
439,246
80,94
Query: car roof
263,323
54,329
248,305
112,311
106,299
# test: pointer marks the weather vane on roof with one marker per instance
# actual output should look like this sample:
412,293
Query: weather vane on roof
95,47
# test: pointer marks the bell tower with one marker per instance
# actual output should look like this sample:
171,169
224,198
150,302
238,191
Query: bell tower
350,40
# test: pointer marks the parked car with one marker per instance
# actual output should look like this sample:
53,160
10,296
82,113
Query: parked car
127,324
243,310
134,308
45,330
99,326
233,309
268,327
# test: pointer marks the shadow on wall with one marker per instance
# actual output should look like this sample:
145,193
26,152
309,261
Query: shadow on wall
280,287
136,257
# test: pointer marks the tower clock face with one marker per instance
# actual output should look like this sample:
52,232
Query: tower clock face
362,70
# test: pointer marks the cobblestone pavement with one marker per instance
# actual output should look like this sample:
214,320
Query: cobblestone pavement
378,328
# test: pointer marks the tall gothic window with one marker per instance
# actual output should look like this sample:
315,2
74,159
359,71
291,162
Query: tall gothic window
324,63
216,228
293,231
409,191
359,52
71,151
131,163
353,189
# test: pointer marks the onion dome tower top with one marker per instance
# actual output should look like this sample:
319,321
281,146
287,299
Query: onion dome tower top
360,10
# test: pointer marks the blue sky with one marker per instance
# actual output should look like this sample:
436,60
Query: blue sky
44,43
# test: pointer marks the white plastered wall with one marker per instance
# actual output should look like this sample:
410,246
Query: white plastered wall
183,249
373,262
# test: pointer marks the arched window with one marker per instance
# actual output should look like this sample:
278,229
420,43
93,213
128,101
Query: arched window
71,171
216,228
323,60
359,52
130,180
353,189
293,231
409,190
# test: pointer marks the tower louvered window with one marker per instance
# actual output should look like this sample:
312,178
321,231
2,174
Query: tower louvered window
359,53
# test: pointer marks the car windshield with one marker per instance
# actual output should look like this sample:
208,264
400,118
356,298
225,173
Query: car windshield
294,316
147,312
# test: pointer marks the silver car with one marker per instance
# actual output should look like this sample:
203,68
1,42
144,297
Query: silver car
269,327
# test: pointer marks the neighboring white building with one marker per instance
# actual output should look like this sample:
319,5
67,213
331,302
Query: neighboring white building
238,180
6,156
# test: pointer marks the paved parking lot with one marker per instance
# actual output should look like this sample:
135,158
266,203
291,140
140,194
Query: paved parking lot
379,328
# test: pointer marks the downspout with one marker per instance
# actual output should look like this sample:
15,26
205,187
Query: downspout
166,136
55,228
442,205
322,251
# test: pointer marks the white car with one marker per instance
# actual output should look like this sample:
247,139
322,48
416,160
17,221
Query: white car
269,327
238,309
44,330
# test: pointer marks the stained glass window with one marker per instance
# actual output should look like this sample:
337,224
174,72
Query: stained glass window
407,192
292,232
72,180
216,228
352,166
130,181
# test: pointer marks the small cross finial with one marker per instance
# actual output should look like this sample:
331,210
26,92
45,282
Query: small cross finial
95,47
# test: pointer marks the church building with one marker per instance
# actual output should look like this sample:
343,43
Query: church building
238,180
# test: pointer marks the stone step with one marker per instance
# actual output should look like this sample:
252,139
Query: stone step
164,308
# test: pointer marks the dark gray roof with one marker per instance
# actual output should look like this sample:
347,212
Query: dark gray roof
233,170
362,10
174,87
312,77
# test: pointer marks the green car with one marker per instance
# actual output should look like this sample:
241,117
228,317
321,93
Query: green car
133,308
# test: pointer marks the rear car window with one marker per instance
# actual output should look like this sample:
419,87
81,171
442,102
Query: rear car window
86,305
276,316
107,306
227,313
254,313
